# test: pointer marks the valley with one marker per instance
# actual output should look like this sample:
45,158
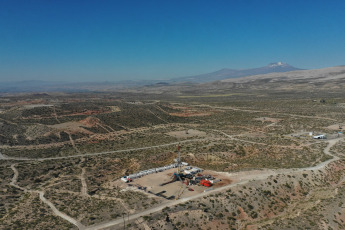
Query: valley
63,156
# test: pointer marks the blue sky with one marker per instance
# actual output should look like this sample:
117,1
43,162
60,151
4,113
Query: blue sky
120,40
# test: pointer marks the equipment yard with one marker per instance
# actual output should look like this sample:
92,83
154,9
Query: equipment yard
152,183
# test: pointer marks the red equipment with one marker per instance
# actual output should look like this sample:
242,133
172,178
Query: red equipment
205,183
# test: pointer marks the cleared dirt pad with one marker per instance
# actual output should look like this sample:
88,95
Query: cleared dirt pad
270,119
336,127
153,183
190,114
71,126
187,133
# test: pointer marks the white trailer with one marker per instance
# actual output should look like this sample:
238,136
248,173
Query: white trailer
320,136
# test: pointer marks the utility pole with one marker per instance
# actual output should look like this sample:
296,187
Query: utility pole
124,222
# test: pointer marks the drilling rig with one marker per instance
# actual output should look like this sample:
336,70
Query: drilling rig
179,163
179,174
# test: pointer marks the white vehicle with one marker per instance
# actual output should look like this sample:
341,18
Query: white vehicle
321,136
126,179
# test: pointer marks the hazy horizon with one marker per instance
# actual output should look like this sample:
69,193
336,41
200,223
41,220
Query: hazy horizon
57,81
90,41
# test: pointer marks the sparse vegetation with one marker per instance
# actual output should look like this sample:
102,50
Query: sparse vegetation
230,133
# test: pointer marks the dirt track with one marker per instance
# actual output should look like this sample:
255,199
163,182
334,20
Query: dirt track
43,199
4,157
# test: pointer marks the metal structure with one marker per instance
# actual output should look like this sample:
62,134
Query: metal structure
179,164
179,172
181,190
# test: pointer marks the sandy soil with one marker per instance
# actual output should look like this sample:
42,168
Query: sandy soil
36,105
190,114
72,126
270,119
114,108
187,133
336,127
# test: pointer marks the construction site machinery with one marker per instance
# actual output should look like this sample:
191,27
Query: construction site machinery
206,183
175,177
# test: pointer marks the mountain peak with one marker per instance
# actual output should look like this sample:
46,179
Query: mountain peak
234,73
278,64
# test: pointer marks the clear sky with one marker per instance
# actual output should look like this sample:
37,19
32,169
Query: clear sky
70,40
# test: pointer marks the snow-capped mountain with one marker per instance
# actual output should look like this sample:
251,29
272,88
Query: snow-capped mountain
276,64
233,73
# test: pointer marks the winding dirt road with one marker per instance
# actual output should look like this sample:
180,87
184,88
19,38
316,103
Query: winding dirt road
83,183
58,213
44,200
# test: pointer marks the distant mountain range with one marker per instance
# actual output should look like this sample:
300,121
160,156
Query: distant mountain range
330,80
48,86
234,73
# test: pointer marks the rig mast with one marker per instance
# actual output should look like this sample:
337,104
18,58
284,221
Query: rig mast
179,159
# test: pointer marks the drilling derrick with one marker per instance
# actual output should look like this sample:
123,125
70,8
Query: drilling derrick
179,160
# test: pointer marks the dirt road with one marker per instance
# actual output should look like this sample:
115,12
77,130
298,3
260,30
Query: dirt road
44,200
83,183
4,157
265,111
58,213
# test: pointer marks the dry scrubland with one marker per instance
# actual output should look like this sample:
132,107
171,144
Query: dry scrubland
302,200
73,148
